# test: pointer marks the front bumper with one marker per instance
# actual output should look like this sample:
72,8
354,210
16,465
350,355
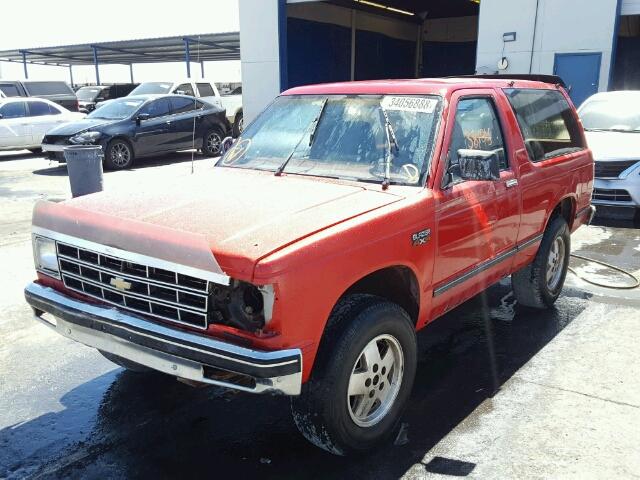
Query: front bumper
175,352
53,148
618,192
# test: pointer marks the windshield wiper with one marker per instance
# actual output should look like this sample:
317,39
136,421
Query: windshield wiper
391,138
313,126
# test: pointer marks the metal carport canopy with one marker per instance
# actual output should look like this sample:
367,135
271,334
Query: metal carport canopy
188,48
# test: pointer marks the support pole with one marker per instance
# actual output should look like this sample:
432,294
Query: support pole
24,64
353,45
187,57
202,68
71,74
95,62
131,72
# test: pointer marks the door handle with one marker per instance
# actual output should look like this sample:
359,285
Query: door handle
511,182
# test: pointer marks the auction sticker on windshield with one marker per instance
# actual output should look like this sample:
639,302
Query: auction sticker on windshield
409,104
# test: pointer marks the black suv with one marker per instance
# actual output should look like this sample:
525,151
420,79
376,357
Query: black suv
91,95
56,91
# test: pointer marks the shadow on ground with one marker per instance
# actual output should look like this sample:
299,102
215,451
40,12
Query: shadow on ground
150,426
59,169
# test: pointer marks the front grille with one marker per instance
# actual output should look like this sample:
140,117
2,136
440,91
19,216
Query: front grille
56,139
612,169
144,289
611,195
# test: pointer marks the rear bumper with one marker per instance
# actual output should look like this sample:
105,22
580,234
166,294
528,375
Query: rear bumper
175,352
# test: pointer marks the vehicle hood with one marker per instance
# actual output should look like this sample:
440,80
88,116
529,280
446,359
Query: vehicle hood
240,215
614,145
78,126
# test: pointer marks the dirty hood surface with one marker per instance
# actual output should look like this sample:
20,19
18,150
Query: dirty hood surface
78,126
242,215
614,145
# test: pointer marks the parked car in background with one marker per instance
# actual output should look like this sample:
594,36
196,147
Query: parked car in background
232,102
201,89
24,121
56,91
349,216
612,124
141,125
90,96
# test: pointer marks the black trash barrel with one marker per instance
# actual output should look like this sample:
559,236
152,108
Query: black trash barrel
84,165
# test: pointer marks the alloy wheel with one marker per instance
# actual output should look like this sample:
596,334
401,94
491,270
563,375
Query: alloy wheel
375,380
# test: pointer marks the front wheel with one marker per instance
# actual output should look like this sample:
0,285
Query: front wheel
362,378
539,284
118,155
238,125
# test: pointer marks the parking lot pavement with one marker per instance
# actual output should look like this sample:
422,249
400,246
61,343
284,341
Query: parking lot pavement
501,391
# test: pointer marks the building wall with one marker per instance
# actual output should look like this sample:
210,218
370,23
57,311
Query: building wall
260,54
563,26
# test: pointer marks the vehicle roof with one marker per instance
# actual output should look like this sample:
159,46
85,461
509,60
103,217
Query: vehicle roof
618,94
150,96
22,99
180,80
440,86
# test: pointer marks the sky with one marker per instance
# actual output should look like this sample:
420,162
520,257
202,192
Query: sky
40,23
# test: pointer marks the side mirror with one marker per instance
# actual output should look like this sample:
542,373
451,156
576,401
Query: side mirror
0,116
479,164
142,117
227,143
180,92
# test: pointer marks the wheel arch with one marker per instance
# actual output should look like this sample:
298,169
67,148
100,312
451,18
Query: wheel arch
396,283
124,138
565,208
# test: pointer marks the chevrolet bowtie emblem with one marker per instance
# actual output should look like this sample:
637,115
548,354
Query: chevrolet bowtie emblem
120,284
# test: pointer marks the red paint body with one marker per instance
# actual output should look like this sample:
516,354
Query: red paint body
315,238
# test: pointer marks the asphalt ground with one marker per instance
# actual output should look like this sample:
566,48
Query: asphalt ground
501,391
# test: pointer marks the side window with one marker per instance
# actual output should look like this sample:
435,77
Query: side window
476,127
205,89
53,110
157,108
546,121
13,110
38,109
182,105
186,88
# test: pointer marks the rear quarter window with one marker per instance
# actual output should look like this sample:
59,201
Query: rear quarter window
48,88
205,89
10,90
547,122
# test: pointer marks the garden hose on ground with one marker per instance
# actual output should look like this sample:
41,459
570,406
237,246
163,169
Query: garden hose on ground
636,281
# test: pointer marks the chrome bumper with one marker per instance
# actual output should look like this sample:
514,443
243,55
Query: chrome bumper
175,352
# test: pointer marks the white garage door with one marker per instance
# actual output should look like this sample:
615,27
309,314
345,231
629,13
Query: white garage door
630,7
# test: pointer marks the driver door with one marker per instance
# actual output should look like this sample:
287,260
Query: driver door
154,134
477,221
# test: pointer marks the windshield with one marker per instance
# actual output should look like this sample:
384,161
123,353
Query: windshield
348,138
118,109
88,94
613,114
152,87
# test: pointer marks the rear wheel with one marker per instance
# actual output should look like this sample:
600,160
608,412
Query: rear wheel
362,378
539,284
212,142
125,363
118,155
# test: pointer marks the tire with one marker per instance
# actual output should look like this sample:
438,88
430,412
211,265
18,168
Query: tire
324,412
238,124
36,151
125,363
118,155
212,142
538,285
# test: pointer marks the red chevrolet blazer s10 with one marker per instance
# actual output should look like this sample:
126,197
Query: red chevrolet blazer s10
345,218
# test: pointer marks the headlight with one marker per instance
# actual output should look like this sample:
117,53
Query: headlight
45,256
85,137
